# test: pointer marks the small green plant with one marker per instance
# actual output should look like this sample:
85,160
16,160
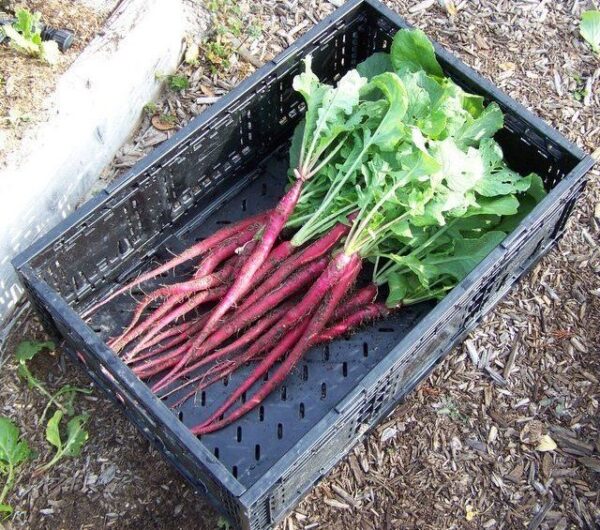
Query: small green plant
255,30
223,524
76,438
13,453
151,108
589,28
178,82
26,37
580,91
450,409
174,82
218,55
26,351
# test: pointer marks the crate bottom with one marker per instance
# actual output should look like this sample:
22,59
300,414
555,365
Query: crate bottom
250,446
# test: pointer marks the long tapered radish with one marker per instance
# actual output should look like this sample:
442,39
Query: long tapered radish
176,291
341,273
312,252
191,253
172,337
279,254
160,320
302,278
243,282
353,320
224,250
357,300
129,335
251,334
333,330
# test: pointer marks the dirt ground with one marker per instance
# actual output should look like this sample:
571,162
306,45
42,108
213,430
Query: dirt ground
463,450
26,82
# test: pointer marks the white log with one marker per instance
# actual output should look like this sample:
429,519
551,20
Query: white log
96,106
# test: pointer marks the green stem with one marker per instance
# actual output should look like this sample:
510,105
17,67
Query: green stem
9,483
428,296
328,158
306,232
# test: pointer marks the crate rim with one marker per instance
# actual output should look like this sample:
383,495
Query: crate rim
247,496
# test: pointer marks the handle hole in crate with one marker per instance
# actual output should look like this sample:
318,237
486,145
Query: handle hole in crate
216,452
234,471
280,431
323,390
257,452
261,413
301,411
238,434
283,393
345,369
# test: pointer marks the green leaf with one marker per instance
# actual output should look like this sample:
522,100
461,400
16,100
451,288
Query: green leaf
21,43
502,205
498,179
327,109
76,435
376,64
590,28
486,125
391,129
536,189
398,289
5,511
27,350
13,450
468,253
53,430
412,50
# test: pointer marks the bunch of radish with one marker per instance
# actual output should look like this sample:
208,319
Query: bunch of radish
396,166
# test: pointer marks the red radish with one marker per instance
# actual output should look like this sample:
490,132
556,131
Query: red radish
177,290
355,319
313,251
224,250
361,298
254,332
176,334
192,252
159,320
331,287
240,320
244,279
122,340
280,253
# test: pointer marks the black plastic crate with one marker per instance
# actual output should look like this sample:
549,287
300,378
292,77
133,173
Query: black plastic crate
228,163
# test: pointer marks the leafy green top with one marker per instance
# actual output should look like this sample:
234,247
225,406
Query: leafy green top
418,166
